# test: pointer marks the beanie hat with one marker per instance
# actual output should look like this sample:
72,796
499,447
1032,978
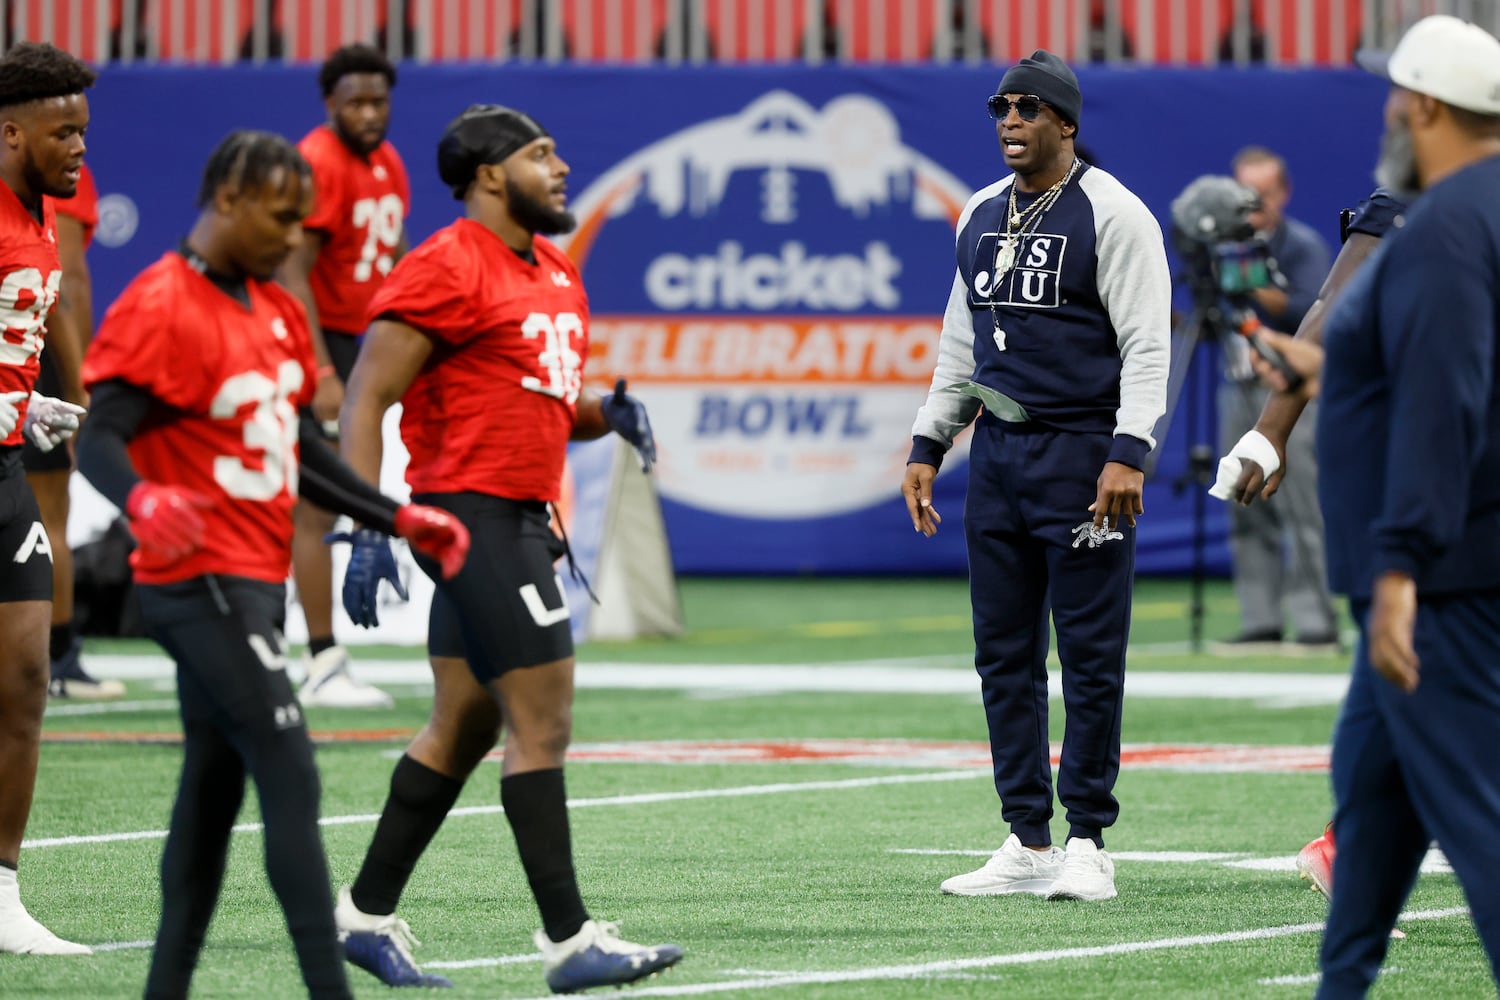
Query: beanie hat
1049,78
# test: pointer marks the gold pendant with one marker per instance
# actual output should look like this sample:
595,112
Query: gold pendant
1005,259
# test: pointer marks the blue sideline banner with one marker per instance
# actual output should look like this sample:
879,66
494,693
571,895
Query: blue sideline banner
768,251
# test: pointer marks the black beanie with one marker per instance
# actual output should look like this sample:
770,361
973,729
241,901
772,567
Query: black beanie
484,133
1049,78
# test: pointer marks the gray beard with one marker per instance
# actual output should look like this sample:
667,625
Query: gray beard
1396,170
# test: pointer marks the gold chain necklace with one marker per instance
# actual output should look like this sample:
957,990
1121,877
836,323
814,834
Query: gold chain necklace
1017,224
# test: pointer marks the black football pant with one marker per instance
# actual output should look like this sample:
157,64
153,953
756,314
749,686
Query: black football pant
239,716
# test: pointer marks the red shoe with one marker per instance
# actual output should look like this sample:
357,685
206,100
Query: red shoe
1315,863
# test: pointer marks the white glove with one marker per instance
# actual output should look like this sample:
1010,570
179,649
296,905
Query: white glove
50,422
9,415
1253,447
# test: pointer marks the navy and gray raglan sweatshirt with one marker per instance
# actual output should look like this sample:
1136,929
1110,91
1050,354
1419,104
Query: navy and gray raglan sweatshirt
1409,423
1084,333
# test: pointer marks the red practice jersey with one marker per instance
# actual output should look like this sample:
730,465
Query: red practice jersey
493,408
29,279
83,206
228,381
359,207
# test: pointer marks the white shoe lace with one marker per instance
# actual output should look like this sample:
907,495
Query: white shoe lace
399,933
609,938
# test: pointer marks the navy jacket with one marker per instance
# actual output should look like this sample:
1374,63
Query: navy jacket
1084,333
1409,426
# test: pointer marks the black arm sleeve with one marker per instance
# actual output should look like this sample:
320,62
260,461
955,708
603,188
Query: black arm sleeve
116,409
328,482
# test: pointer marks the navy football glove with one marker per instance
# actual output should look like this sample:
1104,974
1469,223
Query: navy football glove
626,416
370,561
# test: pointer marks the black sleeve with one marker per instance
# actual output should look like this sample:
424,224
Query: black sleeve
116,409
328,482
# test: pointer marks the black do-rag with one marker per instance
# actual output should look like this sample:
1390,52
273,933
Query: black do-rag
484,133
1049,78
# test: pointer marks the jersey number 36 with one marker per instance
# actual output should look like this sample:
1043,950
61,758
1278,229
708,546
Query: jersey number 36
559,360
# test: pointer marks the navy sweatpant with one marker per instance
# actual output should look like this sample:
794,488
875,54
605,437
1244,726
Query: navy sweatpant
1027,520
1409,769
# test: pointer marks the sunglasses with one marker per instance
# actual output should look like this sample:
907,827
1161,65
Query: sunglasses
1028,107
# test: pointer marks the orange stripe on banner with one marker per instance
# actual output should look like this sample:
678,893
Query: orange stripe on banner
588,227
952,208
764,349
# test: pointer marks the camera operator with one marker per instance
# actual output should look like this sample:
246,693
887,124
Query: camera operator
1277,548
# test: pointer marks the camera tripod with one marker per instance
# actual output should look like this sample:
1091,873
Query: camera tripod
1191,340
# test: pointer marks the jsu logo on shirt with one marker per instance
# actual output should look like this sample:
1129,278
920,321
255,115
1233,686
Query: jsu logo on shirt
1033,282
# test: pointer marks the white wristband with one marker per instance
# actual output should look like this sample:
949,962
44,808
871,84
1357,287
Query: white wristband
1253,447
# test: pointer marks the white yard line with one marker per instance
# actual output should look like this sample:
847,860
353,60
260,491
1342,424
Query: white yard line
922,970
59,710
1167,857
1306,980
485,963
1435,863
1310,978
122,945
613,800
886,676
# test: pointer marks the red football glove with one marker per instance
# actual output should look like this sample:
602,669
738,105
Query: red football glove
436,534
165,519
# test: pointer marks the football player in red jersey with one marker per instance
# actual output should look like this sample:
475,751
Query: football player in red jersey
43,116
48,471
481,332
353,236
196,375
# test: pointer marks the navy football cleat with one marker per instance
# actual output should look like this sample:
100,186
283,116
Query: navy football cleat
596,956
382,946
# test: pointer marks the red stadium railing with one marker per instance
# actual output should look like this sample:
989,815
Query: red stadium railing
1192,32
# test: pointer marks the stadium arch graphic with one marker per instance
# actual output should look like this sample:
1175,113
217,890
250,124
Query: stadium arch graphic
772,282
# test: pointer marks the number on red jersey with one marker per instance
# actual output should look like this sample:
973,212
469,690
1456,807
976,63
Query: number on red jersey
380,218
25,301
270,431
558,359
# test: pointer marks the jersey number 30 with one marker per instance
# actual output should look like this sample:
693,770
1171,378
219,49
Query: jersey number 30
270,431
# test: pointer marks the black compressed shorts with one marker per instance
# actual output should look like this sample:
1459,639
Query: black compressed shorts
25,550
506,608
60,458
343,351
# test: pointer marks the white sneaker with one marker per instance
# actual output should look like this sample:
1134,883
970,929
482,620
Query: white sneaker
1088,873
1013,868
329,684
20,934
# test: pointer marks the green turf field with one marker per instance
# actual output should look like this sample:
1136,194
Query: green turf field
780,791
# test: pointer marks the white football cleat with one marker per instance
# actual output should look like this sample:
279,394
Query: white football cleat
20,933
329,684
